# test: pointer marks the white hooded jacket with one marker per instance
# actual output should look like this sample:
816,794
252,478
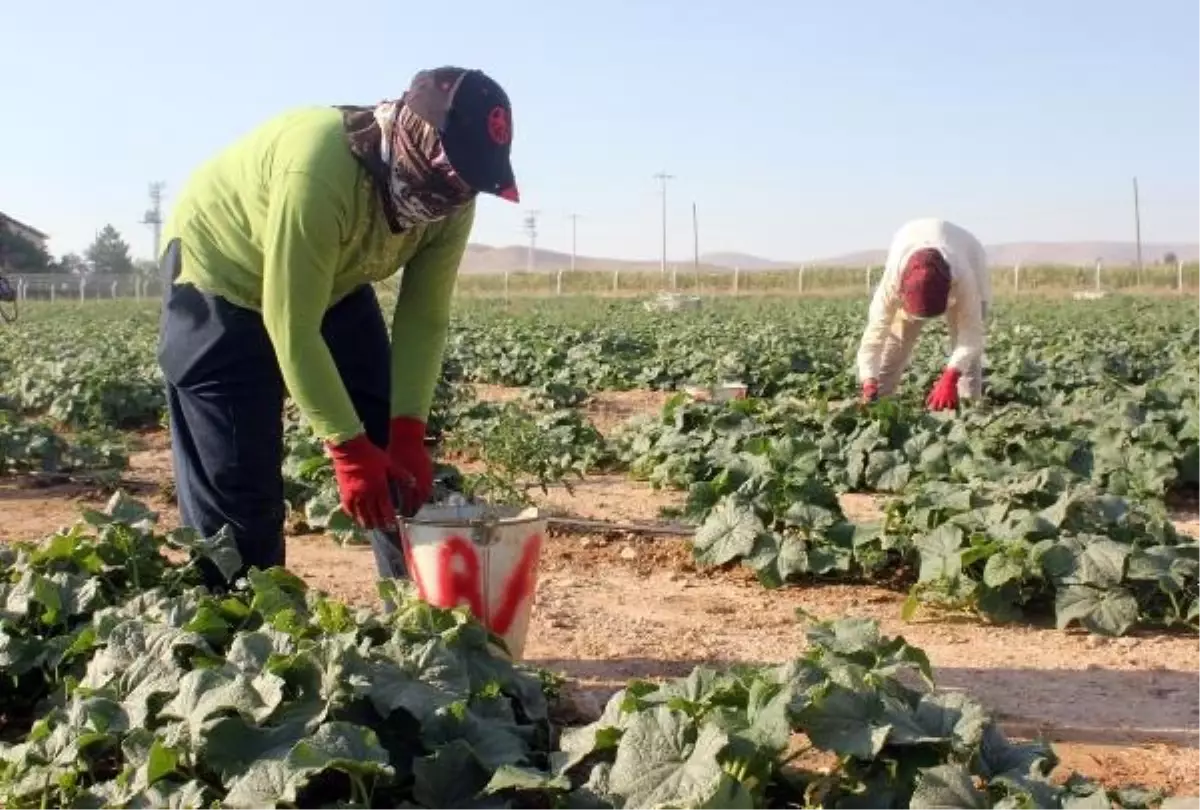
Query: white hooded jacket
970,292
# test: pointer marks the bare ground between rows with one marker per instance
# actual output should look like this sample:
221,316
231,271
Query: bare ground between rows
614,607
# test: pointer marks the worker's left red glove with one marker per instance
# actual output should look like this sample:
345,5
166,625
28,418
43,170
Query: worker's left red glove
362,471
944,395
406,447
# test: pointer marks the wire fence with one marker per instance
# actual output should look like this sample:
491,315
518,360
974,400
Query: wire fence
70,287
1182,278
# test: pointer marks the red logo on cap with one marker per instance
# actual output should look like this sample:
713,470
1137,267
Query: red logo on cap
499,128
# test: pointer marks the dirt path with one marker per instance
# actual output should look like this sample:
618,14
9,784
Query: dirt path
610,608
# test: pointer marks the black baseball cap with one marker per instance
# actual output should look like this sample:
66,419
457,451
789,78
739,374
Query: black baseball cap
473,117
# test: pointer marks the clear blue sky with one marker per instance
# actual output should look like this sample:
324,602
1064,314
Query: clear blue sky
800,128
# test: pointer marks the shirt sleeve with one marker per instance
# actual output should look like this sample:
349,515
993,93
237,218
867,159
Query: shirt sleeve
422,316
983,273
967,315
303,235
884,305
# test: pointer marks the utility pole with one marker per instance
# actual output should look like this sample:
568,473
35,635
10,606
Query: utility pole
531,230
662,178
1137,230
695,249
574,221
153,217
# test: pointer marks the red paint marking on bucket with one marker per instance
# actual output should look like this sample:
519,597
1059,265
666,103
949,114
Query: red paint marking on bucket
457,584
519,585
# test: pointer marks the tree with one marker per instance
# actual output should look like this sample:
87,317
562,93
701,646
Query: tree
72,263
109,253
22,255
1170,258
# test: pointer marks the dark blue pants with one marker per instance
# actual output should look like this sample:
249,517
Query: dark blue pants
225,398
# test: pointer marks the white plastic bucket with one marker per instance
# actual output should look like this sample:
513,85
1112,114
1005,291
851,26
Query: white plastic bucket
485,557
717,393
729,390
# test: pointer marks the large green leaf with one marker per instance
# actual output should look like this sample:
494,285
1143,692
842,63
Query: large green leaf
941,553
1106,612
1086,560
342,746
845,721
663,759
728,533
1001,569
266,783
947,786
952,718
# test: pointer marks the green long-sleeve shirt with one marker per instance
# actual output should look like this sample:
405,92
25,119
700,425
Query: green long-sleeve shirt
286,222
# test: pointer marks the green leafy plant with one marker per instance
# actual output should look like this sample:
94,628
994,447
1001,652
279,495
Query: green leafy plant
32,445
269,694
748,738
521,450
51,591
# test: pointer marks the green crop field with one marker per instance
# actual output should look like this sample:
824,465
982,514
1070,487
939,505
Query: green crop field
1055,510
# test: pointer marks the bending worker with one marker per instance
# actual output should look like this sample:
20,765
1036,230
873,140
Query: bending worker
271,250
933,268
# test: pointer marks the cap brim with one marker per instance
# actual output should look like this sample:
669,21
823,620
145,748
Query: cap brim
495,177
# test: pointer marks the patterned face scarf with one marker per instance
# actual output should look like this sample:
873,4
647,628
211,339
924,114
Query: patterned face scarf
404,157
424,188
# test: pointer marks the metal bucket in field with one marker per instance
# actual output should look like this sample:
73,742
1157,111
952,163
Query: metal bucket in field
485,557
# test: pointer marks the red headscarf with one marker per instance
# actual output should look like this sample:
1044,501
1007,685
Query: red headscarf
925,284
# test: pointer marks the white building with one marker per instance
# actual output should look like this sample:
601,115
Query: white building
21,229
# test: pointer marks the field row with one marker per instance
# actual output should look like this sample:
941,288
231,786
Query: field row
1050,500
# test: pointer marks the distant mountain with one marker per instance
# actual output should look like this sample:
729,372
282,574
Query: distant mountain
745,261
514,258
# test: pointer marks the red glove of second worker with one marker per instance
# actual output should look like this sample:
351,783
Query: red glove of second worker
411,462
363,471
870,390
944,395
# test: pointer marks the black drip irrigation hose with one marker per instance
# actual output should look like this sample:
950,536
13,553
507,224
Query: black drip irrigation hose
582,525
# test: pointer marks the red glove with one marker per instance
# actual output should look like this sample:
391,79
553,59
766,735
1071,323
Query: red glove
363,471
870,390
411,462
944,395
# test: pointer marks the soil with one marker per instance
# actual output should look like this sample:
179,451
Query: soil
616,606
